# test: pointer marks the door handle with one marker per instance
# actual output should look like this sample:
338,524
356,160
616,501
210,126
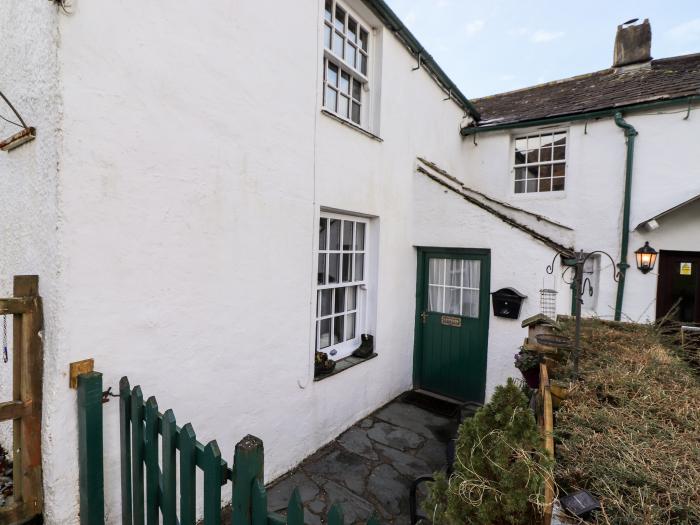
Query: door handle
423,317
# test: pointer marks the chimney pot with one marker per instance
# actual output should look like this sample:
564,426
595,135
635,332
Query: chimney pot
632,44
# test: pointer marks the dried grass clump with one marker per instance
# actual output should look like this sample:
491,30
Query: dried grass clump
630,429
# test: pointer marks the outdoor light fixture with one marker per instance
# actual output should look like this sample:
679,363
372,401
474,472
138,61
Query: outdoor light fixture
646,258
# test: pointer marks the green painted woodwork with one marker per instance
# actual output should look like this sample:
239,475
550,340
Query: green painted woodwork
335,515
169,444
451,360
91,472
150,444
141,427
125,445
259,503
137,455
187,442
295,510
248,467
212,484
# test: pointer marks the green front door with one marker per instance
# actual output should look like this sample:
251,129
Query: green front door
452,322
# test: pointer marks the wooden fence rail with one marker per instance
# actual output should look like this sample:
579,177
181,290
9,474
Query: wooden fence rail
25,407
150,487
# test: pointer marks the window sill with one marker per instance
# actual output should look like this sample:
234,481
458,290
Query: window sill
352,125
344,364
540,195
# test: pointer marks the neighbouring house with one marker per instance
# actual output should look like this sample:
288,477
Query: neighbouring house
214,194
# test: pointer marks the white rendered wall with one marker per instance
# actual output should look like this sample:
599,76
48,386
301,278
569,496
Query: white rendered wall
178,247
678,231
196,163
29,200
666,173
517,260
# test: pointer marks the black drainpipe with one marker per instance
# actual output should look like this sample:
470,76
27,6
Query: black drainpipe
630,134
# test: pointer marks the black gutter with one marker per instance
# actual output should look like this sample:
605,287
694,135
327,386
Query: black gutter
394,24
609,112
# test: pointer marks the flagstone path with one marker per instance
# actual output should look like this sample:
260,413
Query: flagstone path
369,468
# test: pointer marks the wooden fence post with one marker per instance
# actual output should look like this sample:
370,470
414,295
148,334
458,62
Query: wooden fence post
91,472
247,467
25,407
27,386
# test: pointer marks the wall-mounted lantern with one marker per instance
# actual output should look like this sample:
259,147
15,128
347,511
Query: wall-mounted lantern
646,258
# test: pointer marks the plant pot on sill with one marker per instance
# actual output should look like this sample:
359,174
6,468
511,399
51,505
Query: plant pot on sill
532,376
366,348
322,365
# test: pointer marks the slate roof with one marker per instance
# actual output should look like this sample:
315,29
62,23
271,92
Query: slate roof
662,79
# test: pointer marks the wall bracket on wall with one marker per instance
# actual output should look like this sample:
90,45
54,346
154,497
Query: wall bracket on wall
26,134
65,5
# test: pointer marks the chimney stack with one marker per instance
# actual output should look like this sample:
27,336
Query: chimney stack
632,44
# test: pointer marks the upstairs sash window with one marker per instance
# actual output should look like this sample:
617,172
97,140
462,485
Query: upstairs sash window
346,56
540,162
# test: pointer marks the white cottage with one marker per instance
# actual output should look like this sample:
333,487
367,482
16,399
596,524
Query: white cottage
215,194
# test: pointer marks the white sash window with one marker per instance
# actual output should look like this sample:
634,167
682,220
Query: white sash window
346,43
341,283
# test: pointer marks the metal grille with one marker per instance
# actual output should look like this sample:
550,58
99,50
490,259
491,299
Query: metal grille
548,302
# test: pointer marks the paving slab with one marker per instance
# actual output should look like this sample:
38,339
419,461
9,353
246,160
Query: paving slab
414,418
393,436
370,467
356,440
278,496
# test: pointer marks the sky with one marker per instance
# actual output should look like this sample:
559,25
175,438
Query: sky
489,47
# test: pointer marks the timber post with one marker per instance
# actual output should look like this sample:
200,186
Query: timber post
25,407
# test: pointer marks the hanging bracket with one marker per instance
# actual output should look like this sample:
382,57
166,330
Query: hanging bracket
420,58
21,137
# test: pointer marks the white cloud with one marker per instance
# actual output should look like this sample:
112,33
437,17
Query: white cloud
545,36
687,31
474,27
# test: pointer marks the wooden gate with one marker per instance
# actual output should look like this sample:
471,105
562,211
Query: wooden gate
25,407
155,452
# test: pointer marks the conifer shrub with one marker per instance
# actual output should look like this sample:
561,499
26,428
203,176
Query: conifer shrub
499,468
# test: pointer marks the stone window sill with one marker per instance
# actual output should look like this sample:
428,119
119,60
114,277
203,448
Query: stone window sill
352,125
344,364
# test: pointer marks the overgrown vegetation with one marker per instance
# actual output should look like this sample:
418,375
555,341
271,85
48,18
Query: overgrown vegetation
499,468
630,430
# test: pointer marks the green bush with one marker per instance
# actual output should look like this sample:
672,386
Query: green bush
499,468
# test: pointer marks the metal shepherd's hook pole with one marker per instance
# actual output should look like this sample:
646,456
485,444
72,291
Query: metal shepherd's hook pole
577,262
578,297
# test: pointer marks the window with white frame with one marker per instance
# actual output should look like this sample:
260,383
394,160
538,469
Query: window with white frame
540,162
341,283
345,62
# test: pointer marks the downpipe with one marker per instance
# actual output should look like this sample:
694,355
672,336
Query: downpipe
630,134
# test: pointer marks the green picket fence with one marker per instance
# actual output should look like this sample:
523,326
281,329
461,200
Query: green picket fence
149,479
